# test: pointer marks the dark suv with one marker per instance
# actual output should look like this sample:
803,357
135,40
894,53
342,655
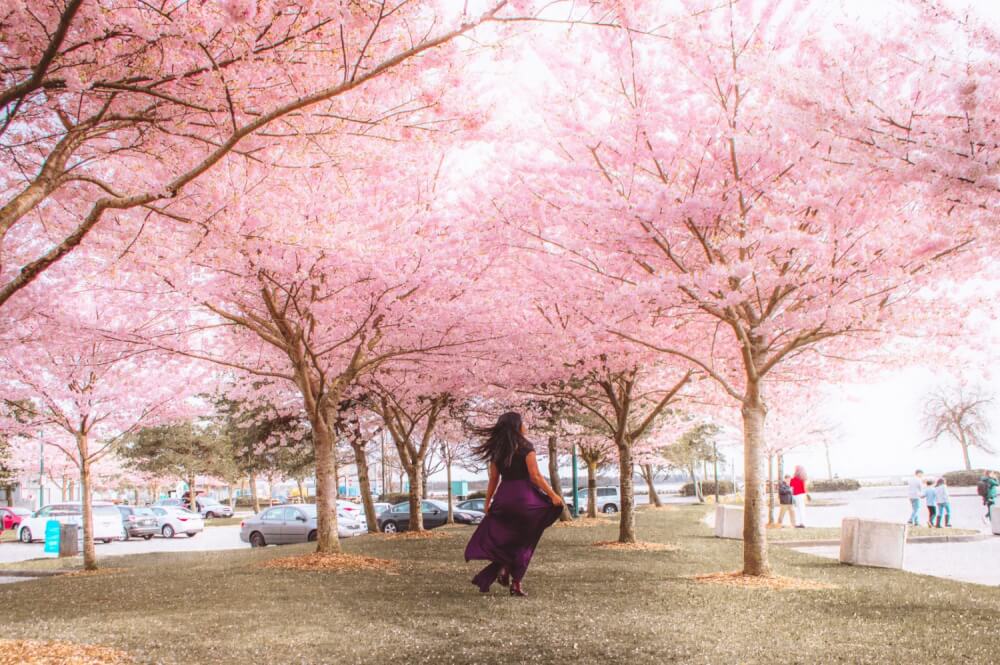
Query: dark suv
138,522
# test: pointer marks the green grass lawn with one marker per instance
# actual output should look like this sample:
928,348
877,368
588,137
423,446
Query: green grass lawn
224,521
586,605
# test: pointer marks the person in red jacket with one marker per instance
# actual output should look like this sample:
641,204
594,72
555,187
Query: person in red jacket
799,493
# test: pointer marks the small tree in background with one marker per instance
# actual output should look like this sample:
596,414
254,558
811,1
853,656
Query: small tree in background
690,449
959,413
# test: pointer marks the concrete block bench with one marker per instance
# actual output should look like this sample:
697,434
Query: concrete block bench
729,522
872,542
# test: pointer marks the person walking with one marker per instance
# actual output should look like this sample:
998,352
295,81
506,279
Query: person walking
915,490
943,503
988,485
799,494
520,505
786,502
930,496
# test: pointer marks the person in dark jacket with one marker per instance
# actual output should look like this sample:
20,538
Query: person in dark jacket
787,505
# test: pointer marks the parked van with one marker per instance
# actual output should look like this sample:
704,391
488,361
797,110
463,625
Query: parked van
107,521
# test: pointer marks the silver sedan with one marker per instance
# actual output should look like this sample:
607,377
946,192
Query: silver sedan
281,525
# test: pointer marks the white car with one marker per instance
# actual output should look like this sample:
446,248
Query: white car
107,521
608,500
351,509
350,524
173,520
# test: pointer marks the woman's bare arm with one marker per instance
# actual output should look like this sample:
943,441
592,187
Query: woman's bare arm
492,487
536,477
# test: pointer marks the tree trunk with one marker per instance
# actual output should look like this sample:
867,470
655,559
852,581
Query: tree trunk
770,489
327,540
64,486
755,561
415,472
591,489
135,495
697,486
253,493
192,497
365,486
626,522
829,465
647,472
554,478
10,496
87,505
965,451
302,489
232,497
451,512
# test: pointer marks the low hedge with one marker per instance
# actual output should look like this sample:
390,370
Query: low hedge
964,478
708,487
476,495
835,485
394,497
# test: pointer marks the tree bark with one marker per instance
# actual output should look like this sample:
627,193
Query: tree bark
554,478
192,497
770,489
86,502
327,540
626,522
591,488
697,486
965,451
647,472
415,472
451,512
365,486
253,493
755,560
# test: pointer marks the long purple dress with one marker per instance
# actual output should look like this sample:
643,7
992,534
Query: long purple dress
509,533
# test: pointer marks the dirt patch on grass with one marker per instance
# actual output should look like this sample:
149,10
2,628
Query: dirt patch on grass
635,547
35,652
412,535
582,522
94,573
337,563
774,582
645,508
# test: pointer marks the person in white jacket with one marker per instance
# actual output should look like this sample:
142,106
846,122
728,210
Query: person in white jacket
915,490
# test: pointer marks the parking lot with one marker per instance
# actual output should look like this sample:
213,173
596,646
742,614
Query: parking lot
212,538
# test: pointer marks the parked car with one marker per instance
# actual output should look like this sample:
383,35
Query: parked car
172,502
10,517
435,513
107,521
352,509
211,508
171,520
381,507
281,525
138,522
473,504
608,500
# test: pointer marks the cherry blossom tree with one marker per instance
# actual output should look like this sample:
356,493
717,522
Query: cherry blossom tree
708,202
120,109
94,392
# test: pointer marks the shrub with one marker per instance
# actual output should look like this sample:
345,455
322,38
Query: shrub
476,495
394,497
708,487
835,485
964,478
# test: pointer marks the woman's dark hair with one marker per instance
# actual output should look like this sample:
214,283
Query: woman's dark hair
502,440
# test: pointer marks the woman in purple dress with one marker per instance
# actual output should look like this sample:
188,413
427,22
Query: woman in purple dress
517,512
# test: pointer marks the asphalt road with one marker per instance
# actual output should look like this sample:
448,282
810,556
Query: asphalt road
212,538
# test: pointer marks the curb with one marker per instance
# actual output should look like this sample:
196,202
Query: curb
915,540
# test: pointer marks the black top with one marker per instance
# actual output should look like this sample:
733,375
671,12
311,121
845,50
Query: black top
518,469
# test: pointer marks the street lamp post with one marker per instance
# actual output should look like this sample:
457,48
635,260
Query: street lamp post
576,501
41,471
